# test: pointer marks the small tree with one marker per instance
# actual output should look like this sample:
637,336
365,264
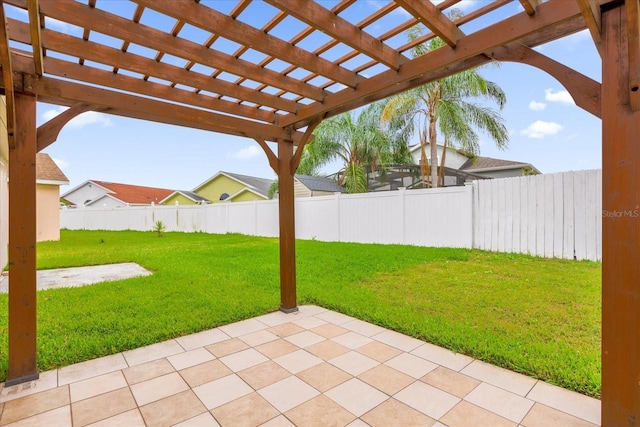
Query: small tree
159,228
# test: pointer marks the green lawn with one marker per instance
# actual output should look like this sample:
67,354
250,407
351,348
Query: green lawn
537,316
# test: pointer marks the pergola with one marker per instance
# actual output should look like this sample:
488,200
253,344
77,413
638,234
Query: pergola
277,90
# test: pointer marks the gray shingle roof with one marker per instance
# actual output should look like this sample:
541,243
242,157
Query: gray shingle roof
318,183
47,170
260,185
193,196
478,163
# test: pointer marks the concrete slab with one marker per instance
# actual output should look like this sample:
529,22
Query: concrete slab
81,276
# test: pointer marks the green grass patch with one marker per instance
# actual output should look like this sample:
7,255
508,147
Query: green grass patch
537,316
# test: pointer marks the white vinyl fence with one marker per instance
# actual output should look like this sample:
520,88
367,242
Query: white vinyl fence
556,215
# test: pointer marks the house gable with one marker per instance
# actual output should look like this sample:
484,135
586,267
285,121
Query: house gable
223,185
246,195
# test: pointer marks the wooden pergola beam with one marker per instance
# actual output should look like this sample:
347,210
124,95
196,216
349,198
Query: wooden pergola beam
429,15
33,7
592,17
324,20
530,6
7,76
211,20
48,132
633,47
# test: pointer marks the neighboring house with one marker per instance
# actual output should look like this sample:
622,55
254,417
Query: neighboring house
314,186
183,197
233,187
461,167
49,178
110,194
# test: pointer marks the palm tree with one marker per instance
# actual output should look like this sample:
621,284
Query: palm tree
358,140
445,105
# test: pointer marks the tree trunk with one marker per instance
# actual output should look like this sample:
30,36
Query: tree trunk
424,163
441,171
434,150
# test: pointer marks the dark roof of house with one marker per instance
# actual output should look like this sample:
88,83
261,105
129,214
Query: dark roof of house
135,194
193,196
481,163
47,170
260,185
318,183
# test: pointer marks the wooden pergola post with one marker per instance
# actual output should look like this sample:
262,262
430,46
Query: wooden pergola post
22,244
621,221
286,206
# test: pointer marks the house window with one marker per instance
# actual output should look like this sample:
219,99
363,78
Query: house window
224,196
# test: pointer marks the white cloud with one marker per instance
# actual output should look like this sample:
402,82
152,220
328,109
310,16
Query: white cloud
537,106
540,129
559,96
247,153
84,119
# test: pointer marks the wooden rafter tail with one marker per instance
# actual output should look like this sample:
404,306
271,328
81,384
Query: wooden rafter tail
592,17
530,6
49,131
306,138
633,31
7,77
33,7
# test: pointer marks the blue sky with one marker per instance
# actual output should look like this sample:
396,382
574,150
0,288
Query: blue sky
546,130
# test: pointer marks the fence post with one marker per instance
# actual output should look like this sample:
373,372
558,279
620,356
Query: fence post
402,195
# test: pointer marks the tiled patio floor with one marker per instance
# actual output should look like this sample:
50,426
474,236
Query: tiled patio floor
311,368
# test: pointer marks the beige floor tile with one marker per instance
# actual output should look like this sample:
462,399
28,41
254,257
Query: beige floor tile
158,388
398,340
324,376
356,396
48,380
543,416
499,377
259,337
202,339
243,328
225,348
310,310
243,359
363,328
131,418
411,365
202,420
147,371
278,318
572,403
378,351
288,393
60,417
248,411
286,329
190,358
264,374
442,356
310,322
152,352
320,412
91,368
304,339
427,399
466,414
451,381
34,404
101,407
354,363
386,379
329,330
97,385
297,361
504,403
276,348
358,423
172,410
204,373
352,340
224,390
334,317
279,421
395,413
327,349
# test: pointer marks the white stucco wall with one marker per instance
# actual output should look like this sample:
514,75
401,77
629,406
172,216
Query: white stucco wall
47,212
453,160
86,191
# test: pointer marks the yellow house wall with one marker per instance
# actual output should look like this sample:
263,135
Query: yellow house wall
182,200
47,212
221,184
246,196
